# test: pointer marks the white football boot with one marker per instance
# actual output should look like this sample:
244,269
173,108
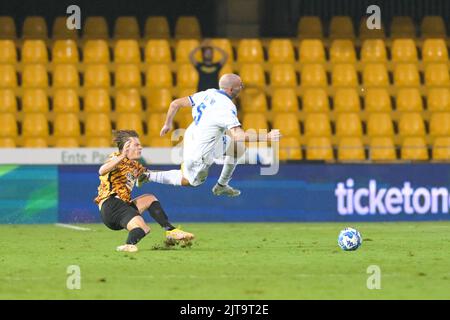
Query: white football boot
219,190
127,248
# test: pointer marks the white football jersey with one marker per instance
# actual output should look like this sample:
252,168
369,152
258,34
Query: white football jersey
213,112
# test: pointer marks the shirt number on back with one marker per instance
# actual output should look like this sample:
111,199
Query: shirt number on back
200,109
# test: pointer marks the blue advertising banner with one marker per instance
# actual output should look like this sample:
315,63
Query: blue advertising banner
298,192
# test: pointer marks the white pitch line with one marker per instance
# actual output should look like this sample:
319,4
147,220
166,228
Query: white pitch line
69,226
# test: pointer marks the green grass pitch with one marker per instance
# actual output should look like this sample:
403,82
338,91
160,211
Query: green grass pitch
228,261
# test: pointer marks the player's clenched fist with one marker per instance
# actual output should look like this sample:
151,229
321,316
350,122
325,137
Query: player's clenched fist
166,128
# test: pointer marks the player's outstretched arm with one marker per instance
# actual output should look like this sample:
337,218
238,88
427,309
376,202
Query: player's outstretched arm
112,164
173,109
239,135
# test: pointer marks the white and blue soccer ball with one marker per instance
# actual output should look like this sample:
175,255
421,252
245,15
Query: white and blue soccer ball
349,239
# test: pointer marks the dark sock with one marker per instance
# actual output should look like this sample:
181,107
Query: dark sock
135,235
157,213
220,184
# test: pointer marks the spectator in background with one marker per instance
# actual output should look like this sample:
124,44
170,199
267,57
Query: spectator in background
208,71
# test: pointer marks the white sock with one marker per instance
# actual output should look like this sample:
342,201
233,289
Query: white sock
172,177
227,170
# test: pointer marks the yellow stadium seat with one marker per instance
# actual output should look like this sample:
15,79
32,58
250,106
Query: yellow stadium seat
441,149
404,50
341,27
157,51
8,125
346,100
187,76
96,76
65,76
436,75
310,27
438,100
406,75
98,142
157,27
187,27
158,100
375,75
382,149
34,76
290,149
183,120
227,68
127,75
34,27
128,100
96,51
344,75
366,33
159,76
414,148
184,48
250,51
34,51
287,123
440,124
252,75
317,125
65,51
184,92
254,121
66,125
7,143
66,101
159,142
373,50
311,51
155,122
7,28
319,148
281,51
253,100
8,76
313,75
8,52
402,27
380,125
97,100
283,75
68,142
35,143
351,149
8,101
377,100
411,124
315,100
60,30
434,50
284,100
130,121
342,51
225,45
409,100
35,125
126,28
95,28
34,100
98,125
348,125
433,27
127,51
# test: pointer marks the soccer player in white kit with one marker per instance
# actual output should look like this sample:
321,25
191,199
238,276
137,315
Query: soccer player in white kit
214,115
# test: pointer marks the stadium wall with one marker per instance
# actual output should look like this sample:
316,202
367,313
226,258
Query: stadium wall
299,192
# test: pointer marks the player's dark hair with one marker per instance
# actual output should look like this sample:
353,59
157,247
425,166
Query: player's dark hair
122,136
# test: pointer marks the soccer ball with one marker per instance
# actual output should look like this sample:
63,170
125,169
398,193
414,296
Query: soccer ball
349,239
